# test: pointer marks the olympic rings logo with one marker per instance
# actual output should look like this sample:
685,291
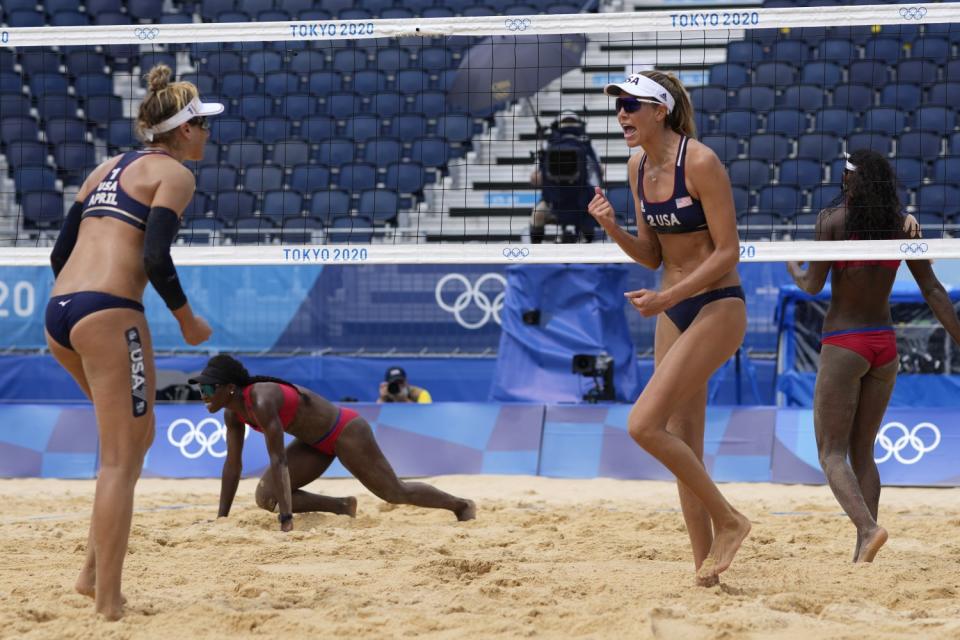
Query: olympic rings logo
146,33
908,437
513,24
472,294
913,248
516,253
200,438
913,13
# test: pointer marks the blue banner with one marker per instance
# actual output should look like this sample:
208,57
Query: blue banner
913,447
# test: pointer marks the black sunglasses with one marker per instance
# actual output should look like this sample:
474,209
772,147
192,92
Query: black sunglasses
200,121
631,105
208,390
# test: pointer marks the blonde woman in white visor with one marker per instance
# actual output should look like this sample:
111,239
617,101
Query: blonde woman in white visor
687,225
115,238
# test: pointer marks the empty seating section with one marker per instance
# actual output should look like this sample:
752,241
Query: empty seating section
316,135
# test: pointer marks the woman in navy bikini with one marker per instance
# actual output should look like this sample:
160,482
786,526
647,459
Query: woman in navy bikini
114,239
858,354
323,432
687,225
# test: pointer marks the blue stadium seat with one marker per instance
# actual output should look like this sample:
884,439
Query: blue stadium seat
396,13
392,59
261,178
362,128
709,99
387,104
939,197
885,50
901,95
357,176
40,60
930,48
210,9
782,200
44,83
430,152
868,72
621,199
18,5
432,104
380,205
281,83
26,18
272,129
343,104
350,229
789,122
726,147
322,83
102,6
65,130
305,177
878,142
57,106
792,52
383,151
836,121
26,152
307,61
202,230
800,173
805,97
405,177
335,152
855,97
14,105
884,120
837,49
771,147
317,127
252,229
943,30
213,179
93,84
290,152
774,74
739,123
759,225
35,178
821,73
74,160
18,128
455,127
746,52
349,60
234,85
944,93
225,130
298,105
741,200
253,7
749,174
233,205
220,63
355,13
754,98
923,72
205,83
909,171
478,11
120,135
149,10
42,209
327,204
435,58
919,144
408,127
946,170
69,19
937,119
150,59
411,81
369,81
729,75
822,147
278,204
85,61
823,196
254,106
300,230
437,12
245,153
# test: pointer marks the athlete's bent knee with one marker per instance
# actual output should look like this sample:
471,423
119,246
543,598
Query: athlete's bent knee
264,497
641,433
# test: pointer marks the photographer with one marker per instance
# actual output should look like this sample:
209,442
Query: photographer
395,388
567,172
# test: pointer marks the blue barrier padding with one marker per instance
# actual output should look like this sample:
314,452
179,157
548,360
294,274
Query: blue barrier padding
911,390
914,447
47,441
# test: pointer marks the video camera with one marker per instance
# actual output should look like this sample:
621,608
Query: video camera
600,368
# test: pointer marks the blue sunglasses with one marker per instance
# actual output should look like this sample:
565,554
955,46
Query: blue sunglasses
208,390
632,105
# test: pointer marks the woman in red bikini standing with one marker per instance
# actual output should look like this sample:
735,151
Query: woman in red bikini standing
858,356
322,432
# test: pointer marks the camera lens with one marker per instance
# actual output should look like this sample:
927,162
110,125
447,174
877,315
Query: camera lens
393,388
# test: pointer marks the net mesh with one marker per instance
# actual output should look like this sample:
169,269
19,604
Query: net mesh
387,128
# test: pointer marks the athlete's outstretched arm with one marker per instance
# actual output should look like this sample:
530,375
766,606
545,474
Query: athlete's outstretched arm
936,296
233,464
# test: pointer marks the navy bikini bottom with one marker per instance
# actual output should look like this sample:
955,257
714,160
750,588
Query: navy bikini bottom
63,312
684,312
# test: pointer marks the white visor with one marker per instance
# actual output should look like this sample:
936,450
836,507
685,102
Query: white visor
849,166
194,109
640,86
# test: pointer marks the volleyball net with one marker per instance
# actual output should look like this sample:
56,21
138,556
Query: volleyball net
380,133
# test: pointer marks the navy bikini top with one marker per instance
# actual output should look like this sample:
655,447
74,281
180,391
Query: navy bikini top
109,200
680,213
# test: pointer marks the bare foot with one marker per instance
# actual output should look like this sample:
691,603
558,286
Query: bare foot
871,544
86,587
708,580
466,512
726,543
111,613
350,507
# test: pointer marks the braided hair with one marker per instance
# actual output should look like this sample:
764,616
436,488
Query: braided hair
874,211
238,374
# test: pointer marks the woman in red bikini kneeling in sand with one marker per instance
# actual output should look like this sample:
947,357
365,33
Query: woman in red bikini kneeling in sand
322,432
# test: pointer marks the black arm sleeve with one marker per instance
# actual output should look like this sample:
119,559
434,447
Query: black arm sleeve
63,247
162,226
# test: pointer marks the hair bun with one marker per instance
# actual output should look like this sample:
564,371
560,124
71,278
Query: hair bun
158,78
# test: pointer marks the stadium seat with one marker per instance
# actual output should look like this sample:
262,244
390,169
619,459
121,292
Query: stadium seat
290,152
44,83
369,81
909,171
350,229
380,205
939,197
213,179
837,50
757,99
800,173
741,200
782,200
317,127
759,225
305,177
836,121
770,147
301,230
411,81
408,127
884,50
868,72
726,147
120,136
26,153
234,85
387,104
878,142
26,18
57,106
307,62
150,59
405,177
884,120
430,152
220,63
621,198
740,123
904,96
149,10
36,178
42,209
936,119
432,104
18,128
396,13
74,160
225,130
69,19
254,106
946,170
361,128
281,83
750,174
790,51
437,12
85,61
823,196
93,84
745,52
349,60
383,151
245,153
930,48
919,144
805,97
327,204
945,93
65,130
278,204
435,58
821,73
822,147
357,176
261,178
233,205
205,83
14,105
298,105
335,152
855,97
732,76
342,104
789,122
709,99
774,74
272,129
923,72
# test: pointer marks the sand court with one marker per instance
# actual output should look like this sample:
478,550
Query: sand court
545,558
